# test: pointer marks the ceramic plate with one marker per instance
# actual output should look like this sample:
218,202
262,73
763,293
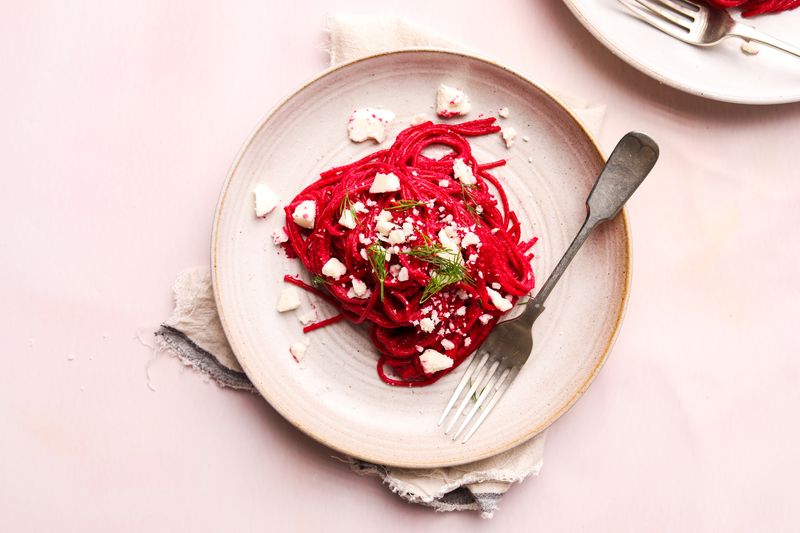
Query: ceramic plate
722,72
334,393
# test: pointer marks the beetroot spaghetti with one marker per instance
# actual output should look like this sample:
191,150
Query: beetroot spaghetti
425,250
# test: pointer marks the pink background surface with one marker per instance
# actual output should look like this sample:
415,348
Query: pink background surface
119,121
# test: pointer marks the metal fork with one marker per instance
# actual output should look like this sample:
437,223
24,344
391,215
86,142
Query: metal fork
509,346
698,24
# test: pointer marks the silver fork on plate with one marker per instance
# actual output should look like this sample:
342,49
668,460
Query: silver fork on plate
508,347
699,24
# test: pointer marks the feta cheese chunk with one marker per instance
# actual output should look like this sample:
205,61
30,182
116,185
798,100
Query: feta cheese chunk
470,239
452,250
334,268
509,135
504,112
463,173
498,301
305,214
384,224
447,345
397,236
418,119
288,300
369,123
298,350
433,361
384,183
347,219
308,317
451,102
427,325
265,200
403,274
279,236
359,290
484,319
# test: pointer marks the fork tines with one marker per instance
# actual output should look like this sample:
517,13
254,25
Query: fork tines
674,17
488,383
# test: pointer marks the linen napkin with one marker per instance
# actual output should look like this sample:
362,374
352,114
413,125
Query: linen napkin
194,333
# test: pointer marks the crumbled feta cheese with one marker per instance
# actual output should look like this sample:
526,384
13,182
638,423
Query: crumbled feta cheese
467,342
308,317
363,239
305,213
359,290
371,202
334,268
394,270
463,173
347,219
369,123
279,236
265,200
462,294
496,286
397,236
288,300
461,311
452,250
447,345
498,301
384,227
433,361
358,207
363,254
750,48
420,349
298,350
509,135
444,183
504,112
470,239
403,274
484,319
384,183
451,102
426,325
408,228
418,119
472,258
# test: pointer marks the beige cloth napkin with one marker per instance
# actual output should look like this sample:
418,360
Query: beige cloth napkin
194,334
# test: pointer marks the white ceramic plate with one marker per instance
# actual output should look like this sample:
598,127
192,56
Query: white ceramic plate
334,394
722,72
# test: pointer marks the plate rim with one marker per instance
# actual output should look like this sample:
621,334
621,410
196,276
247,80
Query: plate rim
387,459
675,84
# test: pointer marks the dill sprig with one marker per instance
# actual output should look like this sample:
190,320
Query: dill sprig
469,200
346,204
404,204
377,260
319,281
449,267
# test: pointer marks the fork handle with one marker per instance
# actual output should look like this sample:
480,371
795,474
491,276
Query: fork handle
626,168
743,31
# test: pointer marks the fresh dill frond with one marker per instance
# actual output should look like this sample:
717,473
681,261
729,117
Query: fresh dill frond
319,281
405,204
377,260
469,200
347,205
449,268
